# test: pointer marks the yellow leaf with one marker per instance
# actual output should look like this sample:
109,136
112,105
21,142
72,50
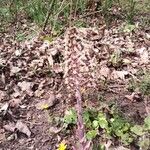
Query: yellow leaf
83,90
62,146
44,106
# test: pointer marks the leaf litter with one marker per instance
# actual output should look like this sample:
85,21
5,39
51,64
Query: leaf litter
36,75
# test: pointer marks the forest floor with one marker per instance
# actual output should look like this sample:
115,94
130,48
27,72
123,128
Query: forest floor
34,99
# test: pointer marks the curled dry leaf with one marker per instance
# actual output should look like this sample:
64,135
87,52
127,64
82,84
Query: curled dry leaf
16,93
119,148
144,58
38,93
21,127
2,135
18,52
135,96
55,130
4,109
50,60
9,127
57,68
26,86
104,72
14,70
119,74
2,95
14,102
46,104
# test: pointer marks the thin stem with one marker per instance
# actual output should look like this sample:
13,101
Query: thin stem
48,15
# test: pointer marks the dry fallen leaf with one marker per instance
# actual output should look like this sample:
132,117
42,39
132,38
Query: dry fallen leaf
104,72
14,102
135,96
21,127
9,127
50,60
119,74
55,130
119,148
14,70
2,135
144,58
4,109
2,95
26,86
47,103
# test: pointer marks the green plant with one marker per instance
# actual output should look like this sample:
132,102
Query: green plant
70,117
115,126
116,59
142,131
145,84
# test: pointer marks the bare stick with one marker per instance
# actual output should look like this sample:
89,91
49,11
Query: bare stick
48,15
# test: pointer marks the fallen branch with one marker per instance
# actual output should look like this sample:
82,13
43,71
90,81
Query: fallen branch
83,143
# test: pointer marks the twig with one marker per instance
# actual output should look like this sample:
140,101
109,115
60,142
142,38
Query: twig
48,15
89,14
70,17
56,17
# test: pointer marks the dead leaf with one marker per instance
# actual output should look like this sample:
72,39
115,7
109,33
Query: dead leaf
55,130
16,93
147,42
9,127
2,135
2,95
57,68
26,86
38,93
18,52
135,96
104,72
21,127
119,74
14,70
4,109
126,61
50,60
49,102
3,78
144,58
119,148
14,102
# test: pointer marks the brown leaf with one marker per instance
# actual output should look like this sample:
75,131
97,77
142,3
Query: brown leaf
14,102
144,58
2,135
105,72
47,103
14,70
119,74
4,109
135,96
26,86
55,130
2,95
9,127
21,127
147,42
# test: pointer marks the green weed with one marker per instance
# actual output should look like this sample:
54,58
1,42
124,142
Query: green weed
111,125
143,85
